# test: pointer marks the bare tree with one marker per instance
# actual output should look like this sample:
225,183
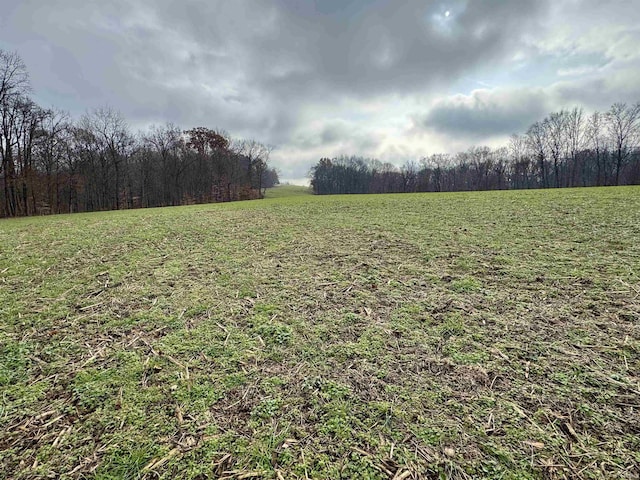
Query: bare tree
26,132
436,164
111,130
597,142
499,165
482,163
409,172
575,141
537,141
14,78
555,131
258,158
519,161
14,84
623,129
165,143
52,150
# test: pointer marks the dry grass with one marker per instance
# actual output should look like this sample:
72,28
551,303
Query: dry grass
473,335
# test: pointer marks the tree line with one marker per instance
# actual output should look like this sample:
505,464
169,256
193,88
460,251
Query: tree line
51,163
566,149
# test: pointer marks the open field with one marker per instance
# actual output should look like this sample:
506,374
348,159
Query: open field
281,191
467,335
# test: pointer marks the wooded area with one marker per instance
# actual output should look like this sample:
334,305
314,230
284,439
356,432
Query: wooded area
566,149
51,163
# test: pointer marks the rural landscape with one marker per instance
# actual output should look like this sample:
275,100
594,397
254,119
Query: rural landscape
452,335
320,239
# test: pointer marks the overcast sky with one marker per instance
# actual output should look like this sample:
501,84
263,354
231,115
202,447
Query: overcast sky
390,79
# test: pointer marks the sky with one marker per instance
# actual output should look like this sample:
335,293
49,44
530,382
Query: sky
395,80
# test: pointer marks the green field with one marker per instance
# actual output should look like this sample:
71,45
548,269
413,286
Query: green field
281,191
463,335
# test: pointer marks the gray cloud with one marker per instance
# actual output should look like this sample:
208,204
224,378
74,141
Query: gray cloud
486,113
279,48
326,76
389,47
498,112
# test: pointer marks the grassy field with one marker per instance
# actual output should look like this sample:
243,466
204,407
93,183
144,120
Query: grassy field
468,335
281,191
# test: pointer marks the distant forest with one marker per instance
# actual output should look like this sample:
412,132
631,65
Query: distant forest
51,163
566,149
